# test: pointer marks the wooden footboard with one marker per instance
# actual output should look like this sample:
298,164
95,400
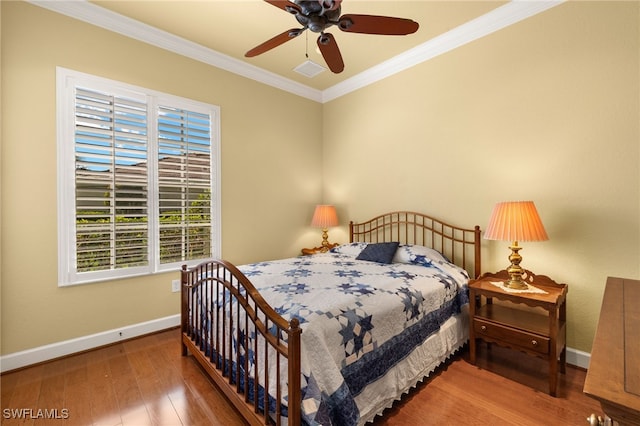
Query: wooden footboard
236,337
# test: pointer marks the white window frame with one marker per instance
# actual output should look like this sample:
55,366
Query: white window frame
66,82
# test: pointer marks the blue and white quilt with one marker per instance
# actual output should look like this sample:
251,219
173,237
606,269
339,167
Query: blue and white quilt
370,331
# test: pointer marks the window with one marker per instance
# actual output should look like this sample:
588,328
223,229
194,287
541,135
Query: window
137,180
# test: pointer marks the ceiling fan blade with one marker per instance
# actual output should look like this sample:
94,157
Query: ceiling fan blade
331,52
372,24
274,42
285,5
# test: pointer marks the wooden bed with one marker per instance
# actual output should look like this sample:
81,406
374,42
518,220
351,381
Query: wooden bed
270,359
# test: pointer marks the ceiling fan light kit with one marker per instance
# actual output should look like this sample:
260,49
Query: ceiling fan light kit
318,15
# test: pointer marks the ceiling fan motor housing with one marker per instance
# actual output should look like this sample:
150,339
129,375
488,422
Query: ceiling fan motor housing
315,16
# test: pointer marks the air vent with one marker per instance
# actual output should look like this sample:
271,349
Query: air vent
309,69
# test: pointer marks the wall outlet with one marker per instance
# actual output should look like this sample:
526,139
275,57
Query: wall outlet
175,286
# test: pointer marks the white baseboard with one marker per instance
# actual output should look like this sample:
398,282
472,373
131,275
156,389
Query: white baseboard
578,358
56,350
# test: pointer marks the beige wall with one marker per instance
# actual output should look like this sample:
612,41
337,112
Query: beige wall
546,110
271,176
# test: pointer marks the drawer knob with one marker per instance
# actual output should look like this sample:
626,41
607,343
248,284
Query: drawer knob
534,342
483,328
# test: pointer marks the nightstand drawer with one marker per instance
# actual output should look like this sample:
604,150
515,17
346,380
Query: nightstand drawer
511,336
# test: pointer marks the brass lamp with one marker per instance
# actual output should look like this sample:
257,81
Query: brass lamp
515,221
325,217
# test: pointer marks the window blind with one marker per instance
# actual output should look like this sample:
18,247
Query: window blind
184,190
111,181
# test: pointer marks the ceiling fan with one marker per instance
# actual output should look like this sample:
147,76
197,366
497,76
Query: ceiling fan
318,15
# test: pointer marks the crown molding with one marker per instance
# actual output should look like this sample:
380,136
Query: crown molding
499,18
104,18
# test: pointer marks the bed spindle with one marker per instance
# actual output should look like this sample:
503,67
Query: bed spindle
241,385
265,360
256,370
278,383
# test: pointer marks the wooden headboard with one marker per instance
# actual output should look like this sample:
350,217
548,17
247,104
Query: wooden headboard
460,245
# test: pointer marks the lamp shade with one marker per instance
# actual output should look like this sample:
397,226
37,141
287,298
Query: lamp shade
515,221
324,216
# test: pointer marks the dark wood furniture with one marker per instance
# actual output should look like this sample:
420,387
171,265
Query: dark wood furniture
214,352
316,250
613,377
540,331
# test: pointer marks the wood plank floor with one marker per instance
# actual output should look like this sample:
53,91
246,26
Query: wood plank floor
145,381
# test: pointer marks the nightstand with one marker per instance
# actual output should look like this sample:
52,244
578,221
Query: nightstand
538,332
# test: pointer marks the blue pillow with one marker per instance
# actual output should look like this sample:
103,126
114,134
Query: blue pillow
379,252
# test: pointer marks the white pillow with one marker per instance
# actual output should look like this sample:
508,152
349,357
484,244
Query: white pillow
349,249
425,256
418,255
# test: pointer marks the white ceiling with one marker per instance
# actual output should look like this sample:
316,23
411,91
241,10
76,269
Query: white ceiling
220,32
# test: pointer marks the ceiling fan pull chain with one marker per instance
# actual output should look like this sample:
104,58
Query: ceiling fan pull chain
306,45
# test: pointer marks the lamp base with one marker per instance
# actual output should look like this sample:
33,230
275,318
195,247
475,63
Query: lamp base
324,247
515,270
516,284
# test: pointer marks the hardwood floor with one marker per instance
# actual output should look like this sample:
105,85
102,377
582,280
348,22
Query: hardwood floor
145,381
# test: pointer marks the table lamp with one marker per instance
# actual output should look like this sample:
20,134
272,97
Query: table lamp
515,221
324,217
